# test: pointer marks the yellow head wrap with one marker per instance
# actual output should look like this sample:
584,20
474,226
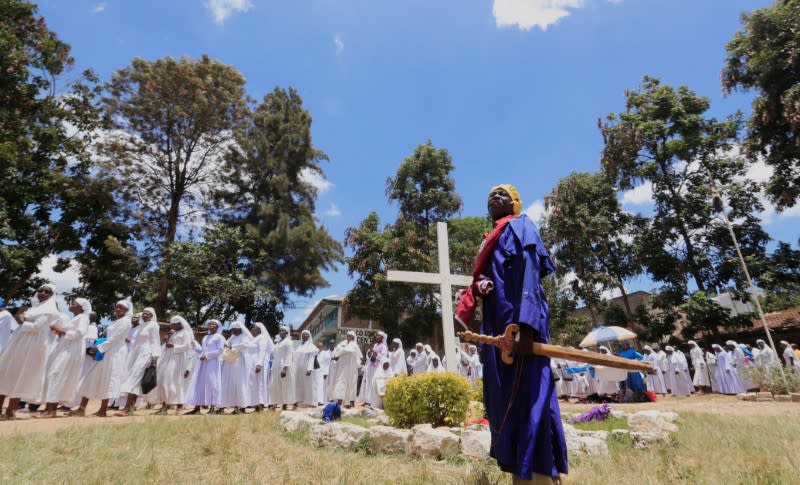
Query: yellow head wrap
516,201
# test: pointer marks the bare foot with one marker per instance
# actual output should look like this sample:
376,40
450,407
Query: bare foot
122,414
80,413
99,414
45,415
8,417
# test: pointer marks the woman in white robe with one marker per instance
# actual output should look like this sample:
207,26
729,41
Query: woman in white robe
378,352
204,389
475,365
727,376
66,358
303,368
677,369
655,381
701,378
436,364
348,357
24,362
104,379
420,363
334,365
605,387
711,361
321,374
739,361
379,381
281,381
236,374
173,366
8,325
144,351
264,347
766,357
397,359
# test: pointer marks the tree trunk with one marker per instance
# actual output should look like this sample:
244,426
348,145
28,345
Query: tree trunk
172,229
625,300
593,314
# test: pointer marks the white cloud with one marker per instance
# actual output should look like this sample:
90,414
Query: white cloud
332,211
100,7
527,14
222,9
536,211
317,179
65,281
338,44
642,194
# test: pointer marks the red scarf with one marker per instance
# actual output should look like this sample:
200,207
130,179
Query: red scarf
465,308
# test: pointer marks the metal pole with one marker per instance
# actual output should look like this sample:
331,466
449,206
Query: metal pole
753,294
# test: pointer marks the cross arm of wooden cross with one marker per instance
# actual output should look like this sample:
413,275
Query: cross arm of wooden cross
506,343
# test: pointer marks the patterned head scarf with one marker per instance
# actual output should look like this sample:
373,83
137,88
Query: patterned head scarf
516,201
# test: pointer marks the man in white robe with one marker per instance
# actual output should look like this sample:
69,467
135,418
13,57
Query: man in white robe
678,368
144,350
173,366
264,348
235,373
420,364
701,378
205,386
324,359
104,379
302,368
348,358
727,376
24,362
281,382
66,358
8,324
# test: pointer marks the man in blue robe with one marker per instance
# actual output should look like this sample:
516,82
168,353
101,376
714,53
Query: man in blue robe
634,382
521,401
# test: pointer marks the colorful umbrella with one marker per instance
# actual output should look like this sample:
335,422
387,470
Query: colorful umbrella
601,335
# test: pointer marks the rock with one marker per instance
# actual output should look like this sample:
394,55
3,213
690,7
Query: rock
456,431
369,412
350,413
619,433
653,422
435,442
386,439
764,395
343,435
795,396
296,421
618,414
601,435
764,399
645,440
746,396
315,413
783,398
476,443
587,445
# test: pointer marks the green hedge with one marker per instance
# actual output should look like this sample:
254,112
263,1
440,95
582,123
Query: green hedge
438,398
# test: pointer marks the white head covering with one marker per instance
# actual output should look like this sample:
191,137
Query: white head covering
263,329
179,319
383,334
473,347
245,331
784,342
603,347
219,325
731,342
127,303
351,333
648,348
760,341
399,344
47,307
670,348
692,343
284,328
717,346
428,348
153,312
308,346
85,305
419,344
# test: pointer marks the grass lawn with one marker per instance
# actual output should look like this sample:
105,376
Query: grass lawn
708,449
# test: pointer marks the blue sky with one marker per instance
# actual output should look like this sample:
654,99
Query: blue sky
512,88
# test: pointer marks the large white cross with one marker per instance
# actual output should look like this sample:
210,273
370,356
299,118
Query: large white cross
446,281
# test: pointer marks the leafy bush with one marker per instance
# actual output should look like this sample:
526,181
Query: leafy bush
438,398
477,391
770,378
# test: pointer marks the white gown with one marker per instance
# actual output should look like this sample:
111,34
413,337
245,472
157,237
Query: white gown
346,383
727,376
204,389
172,366
104,379
236,375
24,362
701,378
146,344
281,389
66,362
679,383
8,324
324,359
264,348
302,364
655,381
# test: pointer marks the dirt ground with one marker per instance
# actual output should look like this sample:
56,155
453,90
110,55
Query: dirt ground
710,403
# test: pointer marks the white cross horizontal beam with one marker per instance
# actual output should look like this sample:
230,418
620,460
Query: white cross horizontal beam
427,278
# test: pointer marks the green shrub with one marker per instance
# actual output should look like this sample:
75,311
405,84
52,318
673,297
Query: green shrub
770,378
438,398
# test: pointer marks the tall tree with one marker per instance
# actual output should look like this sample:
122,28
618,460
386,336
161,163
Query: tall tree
172,120
591,236
665,138
425,193
270,199
44,131
765,56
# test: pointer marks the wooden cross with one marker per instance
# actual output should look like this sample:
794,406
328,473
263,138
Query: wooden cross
446,281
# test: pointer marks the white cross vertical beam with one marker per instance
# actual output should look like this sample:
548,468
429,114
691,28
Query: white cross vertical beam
445,281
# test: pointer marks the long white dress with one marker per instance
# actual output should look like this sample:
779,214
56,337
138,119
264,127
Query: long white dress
24,362
677,369
104,379
379,381
66,362
475,368
172,366
204,389
701,378
727,376
740,362
145,345
767,358
302,365
655,381
236,374
397,360
346,383
663,363
264,349
281,389
8,324
420,364
367,391
711,361
324,359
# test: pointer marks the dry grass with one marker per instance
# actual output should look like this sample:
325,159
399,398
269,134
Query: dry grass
708,449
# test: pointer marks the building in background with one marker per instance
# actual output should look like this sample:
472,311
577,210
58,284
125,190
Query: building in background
328,320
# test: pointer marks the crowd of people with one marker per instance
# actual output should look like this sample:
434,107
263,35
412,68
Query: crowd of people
722,369
53,364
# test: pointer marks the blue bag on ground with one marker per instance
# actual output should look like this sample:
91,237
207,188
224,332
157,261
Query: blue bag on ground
331,412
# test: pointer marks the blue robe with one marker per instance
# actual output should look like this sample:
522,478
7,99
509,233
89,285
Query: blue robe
634,382
527,435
